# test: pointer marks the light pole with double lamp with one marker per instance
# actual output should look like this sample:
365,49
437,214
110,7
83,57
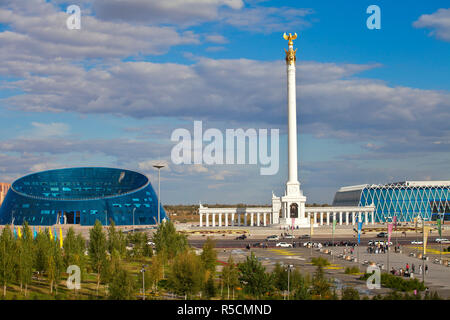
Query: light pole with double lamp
159,166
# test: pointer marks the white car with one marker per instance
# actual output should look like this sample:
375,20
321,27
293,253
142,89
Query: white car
289,236
284,245
416,242
151,243
272,238
442,240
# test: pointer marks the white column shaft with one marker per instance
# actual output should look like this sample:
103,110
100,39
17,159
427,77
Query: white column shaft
292,124
201,218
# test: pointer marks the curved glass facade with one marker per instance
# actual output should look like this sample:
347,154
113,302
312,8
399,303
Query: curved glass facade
82,196
405,200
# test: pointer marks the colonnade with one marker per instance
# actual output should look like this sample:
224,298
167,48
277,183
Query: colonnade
214,219
328,215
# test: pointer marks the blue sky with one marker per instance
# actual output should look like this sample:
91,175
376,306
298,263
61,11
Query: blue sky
373,105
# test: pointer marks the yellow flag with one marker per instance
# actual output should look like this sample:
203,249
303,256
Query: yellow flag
19,232
39,229
311,223
425,238
50,233
60,238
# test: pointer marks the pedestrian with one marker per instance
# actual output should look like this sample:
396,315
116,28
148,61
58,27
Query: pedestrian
420,269
426,269
413,268
407,267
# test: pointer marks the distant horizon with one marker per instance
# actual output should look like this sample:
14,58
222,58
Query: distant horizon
370,108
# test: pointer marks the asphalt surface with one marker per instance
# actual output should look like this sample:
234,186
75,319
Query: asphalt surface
232,243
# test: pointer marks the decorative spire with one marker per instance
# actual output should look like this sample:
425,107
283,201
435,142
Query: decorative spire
290,37
290,54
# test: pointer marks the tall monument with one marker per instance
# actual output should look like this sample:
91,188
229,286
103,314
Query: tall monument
291,207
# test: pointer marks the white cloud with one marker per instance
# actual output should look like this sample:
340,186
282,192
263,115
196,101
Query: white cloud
216,38
438,22
49,130
180,12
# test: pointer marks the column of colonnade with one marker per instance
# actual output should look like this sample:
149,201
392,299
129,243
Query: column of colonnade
226,219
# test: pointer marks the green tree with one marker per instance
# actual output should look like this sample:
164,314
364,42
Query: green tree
55,265
155,272
209,255
74,250
169,241
141,248
298,284
254,278
122,286
42,250
210,287
230,276
6,257
321,287
97,251
24,258
350,293
186,276
116,240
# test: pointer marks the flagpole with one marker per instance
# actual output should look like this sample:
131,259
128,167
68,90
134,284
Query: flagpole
423,251
332,248
440,242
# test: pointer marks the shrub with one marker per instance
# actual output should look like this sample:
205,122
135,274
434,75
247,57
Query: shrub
352,270
320,262
350,294
397,283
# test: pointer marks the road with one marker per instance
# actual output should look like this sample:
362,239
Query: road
231,243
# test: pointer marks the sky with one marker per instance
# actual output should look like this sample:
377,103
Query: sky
373,105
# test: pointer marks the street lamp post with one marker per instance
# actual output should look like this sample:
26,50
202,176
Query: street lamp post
143,281
159,166
134,209
423,250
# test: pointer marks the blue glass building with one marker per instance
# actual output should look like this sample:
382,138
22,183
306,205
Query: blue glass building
406,200
82,196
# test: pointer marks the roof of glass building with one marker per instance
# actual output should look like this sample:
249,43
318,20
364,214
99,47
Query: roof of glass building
80,196
406,200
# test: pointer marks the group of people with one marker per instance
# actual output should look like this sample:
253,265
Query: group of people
409,270
377,248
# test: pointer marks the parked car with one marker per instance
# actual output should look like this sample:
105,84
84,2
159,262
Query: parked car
241,237
305,236
258,245
442,240
151,243
273,238
284,245
289,236
382,235
416,242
